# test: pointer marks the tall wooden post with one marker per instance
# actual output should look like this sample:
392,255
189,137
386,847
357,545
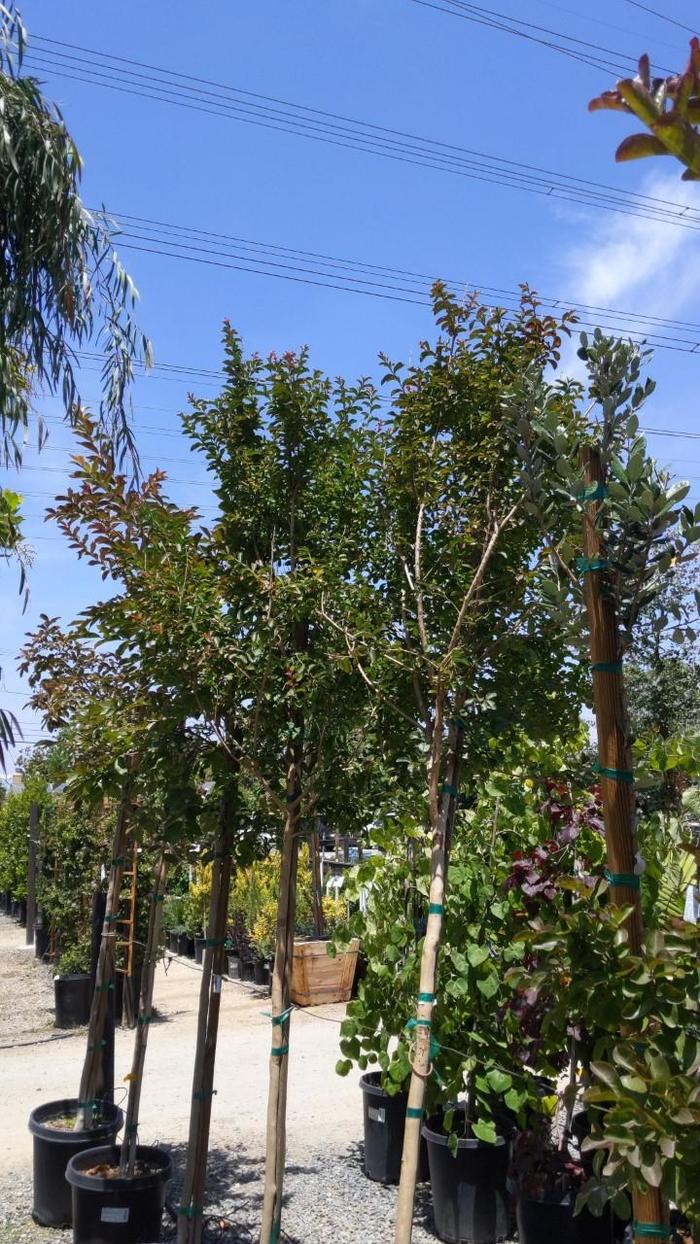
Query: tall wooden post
32,871
614,759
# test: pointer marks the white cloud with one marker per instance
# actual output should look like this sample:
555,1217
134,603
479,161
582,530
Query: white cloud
634,264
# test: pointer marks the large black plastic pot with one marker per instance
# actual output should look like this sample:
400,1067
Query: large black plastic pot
247,970
173,937
261,972
384,1122
555,1223
6,902
42,938
52,1151
72,1000
199,944
234,967
470,1201
185,945
118,1211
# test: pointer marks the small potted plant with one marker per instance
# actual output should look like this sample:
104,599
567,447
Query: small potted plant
549,1177
71,984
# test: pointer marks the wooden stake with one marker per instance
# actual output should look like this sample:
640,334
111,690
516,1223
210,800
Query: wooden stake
143,1022
91,1080
31,872
316,883
614,752
191,1210
439,862
275,1149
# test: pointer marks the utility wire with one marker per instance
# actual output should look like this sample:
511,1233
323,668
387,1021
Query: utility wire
98,68
578,49
663,17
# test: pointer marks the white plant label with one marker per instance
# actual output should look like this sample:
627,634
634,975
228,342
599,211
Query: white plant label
217,984
110,1213
377,1113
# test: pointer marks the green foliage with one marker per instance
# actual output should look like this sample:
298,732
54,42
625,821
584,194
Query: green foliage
62,285
75,958
668,107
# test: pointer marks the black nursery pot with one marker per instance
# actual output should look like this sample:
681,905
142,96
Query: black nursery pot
173,937
556,1223
247,970
199,944
261,972
470,1201
234,967
185,945
384,1122
72,999
42,939
52,1151
119,1210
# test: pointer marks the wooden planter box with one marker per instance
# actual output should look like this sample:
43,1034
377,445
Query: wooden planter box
316,978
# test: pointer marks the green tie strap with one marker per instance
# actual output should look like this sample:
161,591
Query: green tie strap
418,1023
426,997
656,1230
614,775
103,988
592,492
157,898
449,789
203,1094
587,564
190,1211
414,1112
278,1050
215,941
631,880
278,1019
144,1019
436,909
606,667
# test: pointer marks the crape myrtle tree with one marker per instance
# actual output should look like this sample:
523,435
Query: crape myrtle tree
287,448
633,530
127,747
162,627
442,625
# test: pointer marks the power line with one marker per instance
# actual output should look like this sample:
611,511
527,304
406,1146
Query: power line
663,17
578,49
272,112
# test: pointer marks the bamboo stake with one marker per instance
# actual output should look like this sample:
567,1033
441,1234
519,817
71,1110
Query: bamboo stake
281,982
421,1064
191,1209
91,1080
128,1151
614,758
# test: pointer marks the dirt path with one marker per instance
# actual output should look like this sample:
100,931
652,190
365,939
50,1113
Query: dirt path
320,1103
327,1195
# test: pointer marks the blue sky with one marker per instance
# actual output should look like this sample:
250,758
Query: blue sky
398,64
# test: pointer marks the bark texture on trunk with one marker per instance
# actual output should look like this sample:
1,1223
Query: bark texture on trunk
191,1208
614,756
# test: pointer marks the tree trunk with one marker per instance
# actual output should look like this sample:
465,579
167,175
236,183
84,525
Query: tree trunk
281,982
128,1150
91,1080
427,990
614,759
191,1209
316,883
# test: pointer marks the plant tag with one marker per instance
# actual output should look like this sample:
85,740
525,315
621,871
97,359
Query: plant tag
377,1113
111,1213
217,983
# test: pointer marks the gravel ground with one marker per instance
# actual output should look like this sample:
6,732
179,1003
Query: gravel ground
26,988
327,1196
